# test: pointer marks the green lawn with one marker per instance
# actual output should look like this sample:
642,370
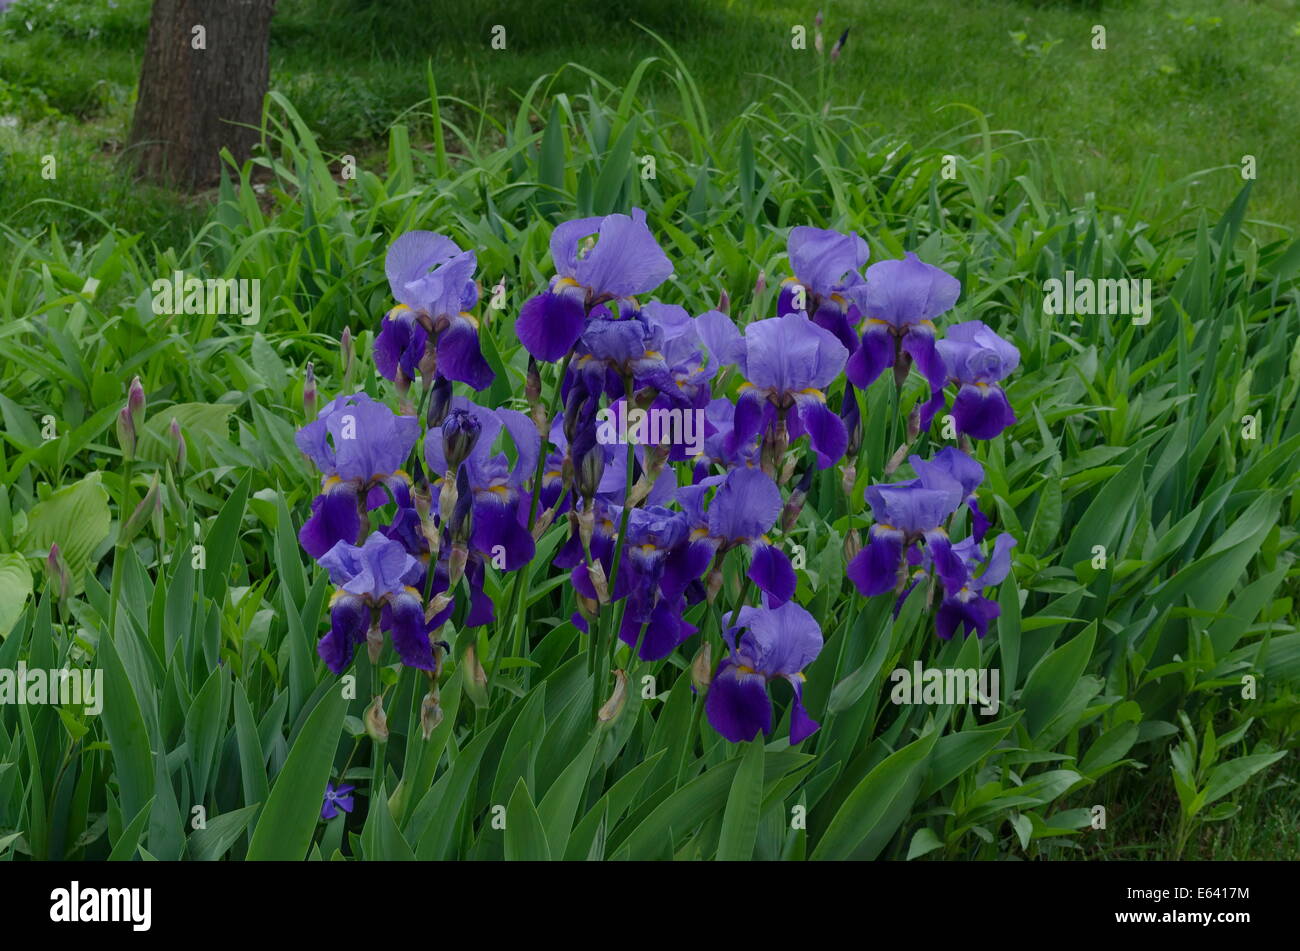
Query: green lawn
1183,89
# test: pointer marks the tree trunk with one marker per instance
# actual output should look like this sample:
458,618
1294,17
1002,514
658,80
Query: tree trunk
206,70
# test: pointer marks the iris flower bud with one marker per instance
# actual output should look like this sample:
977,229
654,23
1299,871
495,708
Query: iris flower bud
460,431
58,571
617,700
439,403
430,713
376,721
852,416
347,353
178,441
143,512
126,438
310,395
794,505
135,403
475,679
702,668
591,467
374,643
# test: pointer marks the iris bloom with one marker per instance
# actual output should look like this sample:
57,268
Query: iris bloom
964,605
907,514
901,300
719,446
433,281
977,359
359,446
693,349
778,643
337,798
501,502
957,465
828,266
377,576
789,362
654,599
625,261
742,511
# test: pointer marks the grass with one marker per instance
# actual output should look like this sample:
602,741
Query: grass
1130,437
1192,85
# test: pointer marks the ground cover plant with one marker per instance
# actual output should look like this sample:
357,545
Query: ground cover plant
370,568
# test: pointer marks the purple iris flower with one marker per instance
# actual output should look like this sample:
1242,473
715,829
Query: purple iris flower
654,601
720,448
902,299
625,261
964,605
789,361
613,349
337,798
433,282
378,575
968,473
500,507
693,350
977,359
359,446
777,643
907,514
828,265
743,510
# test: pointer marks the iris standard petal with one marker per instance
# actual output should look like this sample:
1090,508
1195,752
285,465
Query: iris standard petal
907,291
626,260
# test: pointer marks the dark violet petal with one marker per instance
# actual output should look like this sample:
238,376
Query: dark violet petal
802,725
334,518
970,613
771,570
551,323
875,569
497,534
982,411
873,357
403,617
737,704
826,431
349,621
752,417
459,356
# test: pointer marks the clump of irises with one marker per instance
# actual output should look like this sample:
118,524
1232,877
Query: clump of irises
416,506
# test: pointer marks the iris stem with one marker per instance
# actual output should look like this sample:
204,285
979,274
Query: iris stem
599,683
123,513
517,610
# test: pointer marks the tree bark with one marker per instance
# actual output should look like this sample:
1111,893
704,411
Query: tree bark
205,74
